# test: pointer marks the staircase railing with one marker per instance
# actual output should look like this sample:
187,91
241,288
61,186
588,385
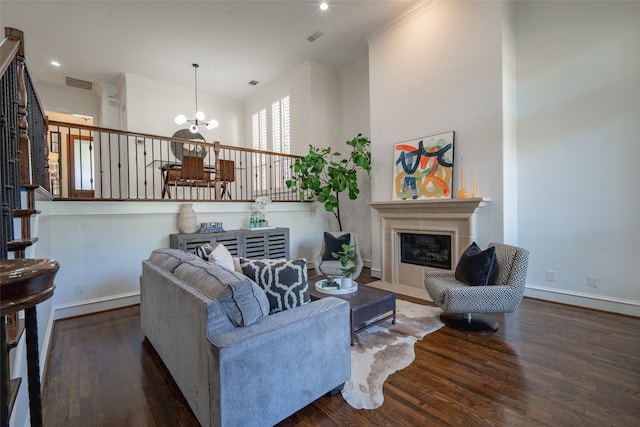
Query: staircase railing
23,153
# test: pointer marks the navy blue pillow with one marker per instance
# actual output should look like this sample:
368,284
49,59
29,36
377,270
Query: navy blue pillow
334,244
477,267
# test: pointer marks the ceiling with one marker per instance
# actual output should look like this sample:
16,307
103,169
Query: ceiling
234,42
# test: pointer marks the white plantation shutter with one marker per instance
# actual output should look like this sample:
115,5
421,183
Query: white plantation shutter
280,142
259,125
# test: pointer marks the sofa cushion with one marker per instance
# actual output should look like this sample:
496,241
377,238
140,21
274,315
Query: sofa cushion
169,258
216,253
284,282
477,267
242,300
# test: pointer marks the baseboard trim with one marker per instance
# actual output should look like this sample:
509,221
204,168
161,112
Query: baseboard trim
581,299
95,305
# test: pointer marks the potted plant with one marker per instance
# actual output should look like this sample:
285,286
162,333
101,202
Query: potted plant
323,174
347,257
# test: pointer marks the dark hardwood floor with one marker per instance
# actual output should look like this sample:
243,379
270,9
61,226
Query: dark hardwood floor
548,364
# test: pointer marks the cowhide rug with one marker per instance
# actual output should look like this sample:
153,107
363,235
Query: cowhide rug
384,349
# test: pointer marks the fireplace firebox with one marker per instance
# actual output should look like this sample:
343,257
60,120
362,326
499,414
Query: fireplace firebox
428,250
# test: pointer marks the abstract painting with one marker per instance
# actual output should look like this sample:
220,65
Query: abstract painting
423,168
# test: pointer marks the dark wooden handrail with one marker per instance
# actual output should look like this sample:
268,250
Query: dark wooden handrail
9,47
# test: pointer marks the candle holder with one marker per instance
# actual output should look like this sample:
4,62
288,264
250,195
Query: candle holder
462,193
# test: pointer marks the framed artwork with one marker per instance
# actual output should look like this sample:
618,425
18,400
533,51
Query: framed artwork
423,168
55,142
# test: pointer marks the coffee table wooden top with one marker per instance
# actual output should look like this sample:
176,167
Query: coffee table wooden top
363,296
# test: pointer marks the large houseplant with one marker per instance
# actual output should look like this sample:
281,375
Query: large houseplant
323,174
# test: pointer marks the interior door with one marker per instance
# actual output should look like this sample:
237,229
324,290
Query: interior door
81,166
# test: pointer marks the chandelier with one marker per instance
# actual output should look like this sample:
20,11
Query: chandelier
199,120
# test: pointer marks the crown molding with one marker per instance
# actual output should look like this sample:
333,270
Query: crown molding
410,14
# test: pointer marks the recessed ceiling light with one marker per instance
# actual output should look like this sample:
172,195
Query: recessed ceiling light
55,63
324,5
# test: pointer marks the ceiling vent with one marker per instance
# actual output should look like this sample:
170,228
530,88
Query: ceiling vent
254,82
77,83
315,36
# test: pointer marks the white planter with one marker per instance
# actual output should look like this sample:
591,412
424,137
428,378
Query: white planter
346,282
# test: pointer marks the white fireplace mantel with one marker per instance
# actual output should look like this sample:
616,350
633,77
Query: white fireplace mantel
468,206
453,217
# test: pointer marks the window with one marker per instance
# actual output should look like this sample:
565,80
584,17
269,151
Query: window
274,135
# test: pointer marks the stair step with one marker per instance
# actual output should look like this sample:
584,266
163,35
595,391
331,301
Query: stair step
21,213
20,245
31,194
14,332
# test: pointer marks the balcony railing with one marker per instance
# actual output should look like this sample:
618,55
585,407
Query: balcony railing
88,162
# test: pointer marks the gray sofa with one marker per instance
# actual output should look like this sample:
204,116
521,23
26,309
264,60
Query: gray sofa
235,364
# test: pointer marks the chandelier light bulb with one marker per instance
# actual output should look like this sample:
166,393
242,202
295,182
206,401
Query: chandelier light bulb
212,124
200,116
181,119
193,129
324,5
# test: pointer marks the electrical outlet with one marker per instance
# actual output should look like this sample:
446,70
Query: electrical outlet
592,281
78,289
551,276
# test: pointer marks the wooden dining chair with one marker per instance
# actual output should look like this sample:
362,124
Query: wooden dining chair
226,175
191,173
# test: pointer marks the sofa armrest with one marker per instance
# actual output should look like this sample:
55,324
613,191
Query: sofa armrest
269,370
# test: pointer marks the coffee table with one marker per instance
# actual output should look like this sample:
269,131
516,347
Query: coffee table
369,306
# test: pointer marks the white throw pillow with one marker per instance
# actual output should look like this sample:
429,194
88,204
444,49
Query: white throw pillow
221,256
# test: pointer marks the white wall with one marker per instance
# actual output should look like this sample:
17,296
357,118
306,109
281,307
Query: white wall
436,71
100,245
353,89
68,100
553,131
578,149
313,102
151,107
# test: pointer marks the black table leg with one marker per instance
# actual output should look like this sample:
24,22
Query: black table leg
33,366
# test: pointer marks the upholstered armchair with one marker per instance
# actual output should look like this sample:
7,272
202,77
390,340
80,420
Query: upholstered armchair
332,242
461,302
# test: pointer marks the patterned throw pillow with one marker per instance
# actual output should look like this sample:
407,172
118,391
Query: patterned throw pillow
217,254
284,282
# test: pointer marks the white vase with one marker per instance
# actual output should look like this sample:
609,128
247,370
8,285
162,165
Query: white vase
346,282
187,221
